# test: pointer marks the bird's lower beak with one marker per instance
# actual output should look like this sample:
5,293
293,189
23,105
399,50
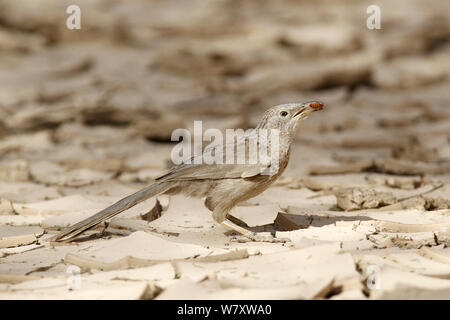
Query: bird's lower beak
308,108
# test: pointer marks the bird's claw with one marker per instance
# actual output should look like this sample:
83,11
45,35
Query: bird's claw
259,237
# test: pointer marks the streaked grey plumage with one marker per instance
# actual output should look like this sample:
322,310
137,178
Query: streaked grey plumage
223,185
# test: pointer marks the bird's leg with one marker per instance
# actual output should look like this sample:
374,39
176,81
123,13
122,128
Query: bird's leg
253,236
237,221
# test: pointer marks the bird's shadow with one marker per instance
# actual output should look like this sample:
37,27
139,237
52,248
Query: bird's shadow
291,222
305,221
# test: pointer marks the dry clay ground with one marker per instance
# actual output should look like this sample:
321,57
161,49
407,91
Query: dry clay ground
86,116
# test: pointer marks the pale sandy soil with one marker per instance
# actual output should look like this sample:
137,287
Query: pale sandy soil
86,118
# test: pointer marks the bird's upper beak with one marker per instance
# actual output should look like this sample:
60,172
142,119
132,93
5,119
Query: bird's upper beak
307,108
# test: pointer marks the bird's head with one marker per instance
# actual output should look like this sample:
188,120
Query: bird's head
286,117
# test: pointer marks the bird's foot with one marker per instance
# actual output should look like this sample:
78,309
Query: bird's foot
259,237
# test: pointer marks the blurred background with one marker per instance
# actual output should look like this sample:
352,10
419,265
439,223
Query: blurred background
99,103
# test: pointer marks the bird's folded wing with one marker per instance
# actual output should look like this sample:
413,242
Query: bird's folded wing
200,171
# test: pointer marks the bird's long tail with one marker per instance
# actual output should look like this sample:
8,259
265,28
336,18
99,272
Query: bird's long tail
111,211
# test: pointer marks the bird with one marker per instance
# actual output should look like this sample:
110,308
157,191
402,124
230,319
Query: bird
223,185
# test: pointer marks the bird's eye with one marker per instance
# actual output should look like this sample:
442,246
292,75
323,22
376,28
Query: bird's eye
283,113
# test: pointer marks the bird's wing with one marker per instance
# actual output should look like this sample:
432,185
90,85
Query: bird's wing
201,171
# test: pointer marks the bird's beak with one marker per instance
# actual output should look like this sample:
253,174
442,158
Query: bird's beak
307,108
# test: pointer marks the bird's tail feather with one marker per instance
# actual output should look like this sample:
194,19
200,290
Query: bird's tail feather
111,211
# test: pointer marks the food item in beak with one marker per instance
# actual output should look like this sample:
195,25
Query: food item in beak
316,105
